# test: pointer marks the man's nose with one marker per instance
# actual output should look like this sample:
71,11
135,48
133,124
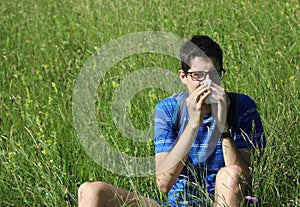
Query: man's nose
208,77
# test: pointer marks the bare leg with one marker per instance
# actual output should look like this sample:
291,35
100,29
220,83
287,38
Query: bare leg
97,194
230,187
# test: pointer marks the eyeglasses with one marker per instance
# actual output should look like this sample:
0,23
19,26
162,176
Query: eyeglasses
201,75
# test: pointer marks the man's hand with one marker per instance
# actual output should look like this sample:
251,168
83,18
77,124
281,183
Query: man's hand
220,109
195,103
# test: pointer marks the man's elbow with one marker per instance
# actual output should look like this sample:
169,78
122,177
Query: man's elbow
163,185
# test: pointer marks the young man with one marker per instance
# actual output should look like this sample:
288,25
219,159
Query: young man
197,150
203,149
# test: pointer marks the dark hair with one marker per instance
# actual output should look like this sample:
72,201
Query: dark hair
200,46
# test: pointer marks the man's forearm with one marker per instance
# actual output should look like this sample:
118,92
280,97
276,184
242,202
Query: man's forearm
171,166
232,156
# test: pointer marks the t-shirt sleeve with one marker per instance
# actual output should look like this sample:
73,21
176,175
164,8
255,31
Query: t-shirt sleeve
164,135
250,132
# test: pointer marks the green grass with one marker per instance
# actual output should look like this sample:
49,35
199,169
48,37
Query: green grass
44,44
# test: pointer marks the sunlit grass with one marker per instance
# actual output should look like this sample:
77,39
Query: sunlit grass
44,45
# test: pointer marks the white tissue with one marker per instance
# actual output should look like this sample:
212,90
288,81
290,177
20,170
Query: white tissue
209,99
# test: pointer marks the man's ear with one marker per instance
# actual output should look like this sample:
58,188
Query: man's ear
182,76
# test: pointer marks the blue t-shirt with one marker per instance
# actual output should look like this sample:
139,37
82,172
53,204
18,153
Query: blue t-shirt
205,159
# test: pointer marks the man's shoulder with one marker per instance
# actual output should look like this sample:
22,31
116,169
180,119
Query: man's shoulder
171,101
244,101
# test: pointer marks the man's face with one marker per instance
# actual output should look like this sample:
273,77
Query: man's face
201,69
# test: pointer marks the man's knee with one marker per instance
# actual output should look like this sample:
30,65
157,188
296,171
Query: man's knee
92,189
229,177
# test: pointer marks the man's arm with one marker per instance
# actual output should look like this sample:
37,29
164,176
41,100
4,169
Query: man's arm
239,157
170,164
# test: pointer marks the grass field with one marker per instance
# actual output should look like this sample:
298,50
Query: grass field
44,45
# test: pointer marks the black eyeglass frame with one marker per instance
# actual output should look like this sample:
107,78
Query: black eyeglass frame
204,74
